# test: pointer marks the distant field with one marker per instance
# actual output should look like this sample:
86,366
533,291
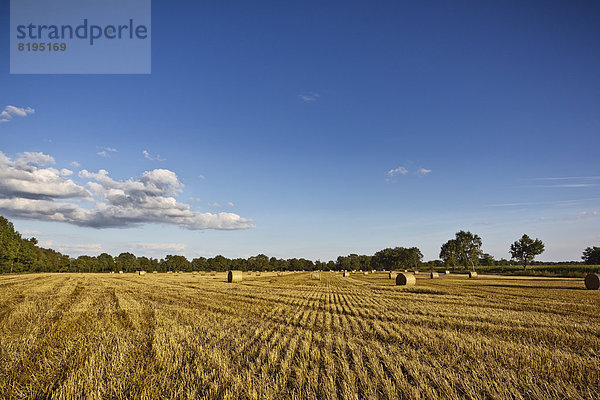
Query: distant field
558,270
94,336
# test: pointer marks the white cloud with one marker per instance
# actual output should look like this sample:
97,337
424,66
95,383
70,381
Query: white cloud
105,151
11,111
31,233
215,204
75,164
230,204
396,171
568,178
78,249
66,172
158,247
201,176
28,191
25,179
309,97
37,158
423,171
150,157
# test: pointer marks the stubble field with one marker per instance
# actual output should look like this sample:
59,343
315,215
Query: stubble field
184,336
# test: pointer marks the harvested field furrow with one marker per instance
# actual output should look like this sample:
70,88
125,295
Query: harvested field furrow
184,336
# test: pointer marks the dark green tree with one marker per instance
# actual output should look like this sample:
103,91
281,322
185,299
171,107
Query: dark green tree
591,255
487,259
449,253
464,250
126,262
106,262
396,258
525,249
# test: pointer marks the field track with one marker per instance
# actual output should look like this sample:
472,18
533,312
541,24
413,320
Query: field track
97,336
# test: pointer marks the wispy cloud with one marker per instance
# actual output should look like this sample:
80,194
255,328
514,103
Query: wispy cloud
105,151
309,97
157,248
29,189
423,171
396,171
568,185
75,164
78,249
10,112
150,157
563,178
570,202
566,182
586,214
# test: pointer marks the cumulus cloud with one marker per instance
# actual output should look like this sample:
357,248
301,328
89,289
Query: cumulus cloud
10,112
423,171
150,157
29,191
25,179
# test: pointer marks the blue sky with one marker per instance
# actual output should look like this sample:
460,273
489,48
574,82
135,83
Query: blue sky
291,117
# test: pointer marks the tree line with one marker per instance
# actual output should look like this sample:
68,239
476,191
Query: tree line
18,254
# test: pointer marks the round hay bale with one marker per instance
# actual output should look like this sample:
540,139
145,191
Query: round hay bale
416,272
472,274
405,279
434,275
315,275
345,274
447,272
366,273
234,276
278,273
392,275
155,272
120,272
257,273
141,272
592,281
112,272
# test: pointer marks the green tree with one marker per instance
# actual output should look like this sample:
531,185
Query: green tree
106,262
126,262
398,257
525,249
10,243
449,253
464,250
175,263
591,255
487,259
